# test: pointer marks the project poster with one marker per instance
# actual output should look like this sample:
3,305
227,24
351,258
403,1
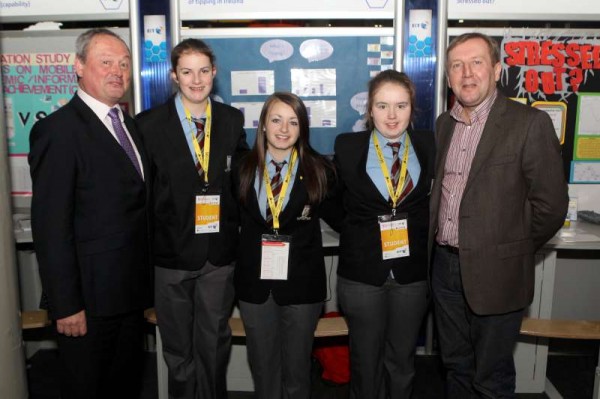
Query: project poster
35,84
330,74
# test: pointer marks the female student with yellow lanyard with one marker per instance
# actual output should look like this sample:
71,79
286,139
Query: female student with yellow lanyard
385,175
280,271
192,142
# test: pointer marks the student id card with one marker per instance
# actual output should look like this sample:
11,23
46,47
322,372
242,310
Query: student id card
394,236
208,210
275,257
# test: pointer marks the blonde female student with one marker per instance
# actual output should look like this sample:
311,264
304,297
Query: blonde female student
280,272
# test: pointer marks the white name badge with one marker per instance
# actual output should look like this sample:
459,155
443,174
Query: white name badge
394,236
275,257
208,210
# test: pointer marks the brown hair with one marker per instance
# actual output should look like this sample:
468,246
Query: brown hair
493,47
313,167
189,46
389,76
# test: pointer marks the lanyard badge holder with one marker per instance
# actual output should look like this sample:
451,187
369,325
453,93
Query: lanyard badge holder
394,236
275,248
208,207
393,227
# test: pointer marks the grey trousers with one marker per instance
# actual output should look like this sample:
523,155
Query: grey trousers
192,310
384,324
279,342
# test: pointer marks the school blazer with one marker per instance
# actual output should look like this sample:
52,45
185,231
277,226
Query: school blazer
514,201
176,183
306,273
360,256
89,215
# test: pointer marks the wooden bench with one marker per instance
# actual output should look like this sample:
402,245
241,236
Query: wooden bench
565,329
34,319
336,326
327,327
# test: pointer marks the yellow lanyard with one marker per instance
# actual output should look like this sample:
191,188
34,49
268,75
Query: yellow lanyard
204,154
276,208
394,195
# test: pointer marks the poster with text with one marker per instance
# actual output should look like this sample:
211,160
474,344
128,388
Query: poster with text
34,84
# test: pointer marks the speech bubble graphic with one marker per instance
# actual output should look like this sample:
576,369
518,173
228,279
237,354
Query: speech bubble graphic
316,50
359,125
276,50
358,102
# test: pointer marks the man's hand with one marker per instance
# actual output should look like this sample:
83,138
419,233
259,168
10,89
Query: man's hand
72,326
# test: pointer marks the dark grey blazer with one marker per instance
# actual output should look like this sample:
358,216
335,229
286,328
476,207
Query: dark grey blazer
514,201
89,215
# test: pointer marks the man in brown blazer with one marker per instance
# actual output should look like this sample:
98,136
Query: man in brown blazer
499,194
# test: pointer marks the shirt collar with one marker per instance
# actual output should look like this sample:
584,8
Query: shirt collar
383,140
269,158
479,114
181,109
98,107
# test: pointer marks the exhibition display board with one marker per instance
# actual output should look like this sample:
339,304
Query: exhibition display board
328,68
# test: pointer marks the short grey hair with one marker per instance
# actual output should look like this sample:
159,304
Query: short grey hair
82,43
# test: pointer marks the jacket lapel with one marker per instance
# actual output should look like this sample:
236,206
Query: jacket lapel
104,138
218,143
492,133
360,171
298,198
176,143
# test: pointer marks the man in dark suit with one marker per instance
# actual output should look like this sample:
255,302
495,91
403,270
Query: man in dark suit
499,194
90,228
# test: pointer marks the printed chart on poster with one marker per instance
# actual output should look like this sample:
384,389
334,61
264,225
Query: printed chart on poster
329,73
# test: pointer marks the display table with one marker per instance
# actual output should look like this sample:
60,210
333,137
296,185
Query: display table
531,353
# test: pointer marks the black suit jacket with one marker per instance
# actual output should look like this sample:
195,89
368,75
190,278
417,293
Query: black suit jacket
306,273
176,183
360,239
514,201
89,215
